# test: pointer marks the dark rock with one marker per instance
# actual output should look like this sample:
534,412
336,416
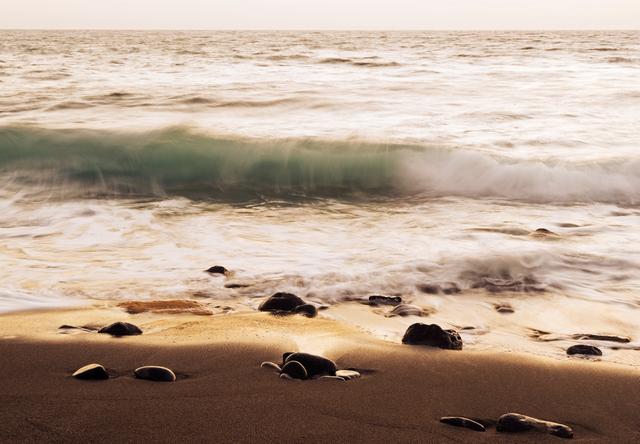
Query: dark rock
94,372
377,299
544,231
459,421
432,335
516,423
155,373
504,308
445,288
281,302
584,349
121,329
295,370
313,364
308,310
217,269
236,285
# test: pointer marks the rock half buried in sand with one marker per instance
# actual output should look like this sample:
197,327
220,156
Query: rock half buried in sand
306,366
155,373
432,335
584,349
460,421
377,299
281,302
503,308
121,329
94,372
217,269
294,370
515,423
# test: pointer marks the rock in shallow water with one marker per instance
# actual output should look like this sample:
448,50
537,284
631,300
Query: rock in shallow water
121,329
408,310
516,423
460,421
155,373
308,310
584,349
384,300
281,302
94,372
432,335
217,269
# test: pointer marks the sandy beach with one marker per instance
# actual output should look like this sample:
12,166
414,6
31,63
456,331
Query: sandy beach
223,395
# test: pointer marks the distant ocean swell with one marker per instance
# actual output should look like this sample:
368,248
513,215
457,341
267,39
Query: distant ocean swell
182,161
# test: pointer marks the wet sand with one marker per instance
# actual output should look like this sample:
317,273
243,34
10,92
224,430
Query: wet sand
222,393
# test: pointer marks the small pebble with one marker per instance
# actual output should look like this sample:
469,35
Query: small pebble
155,373
94,372
584,349
121,329
460,421
217,269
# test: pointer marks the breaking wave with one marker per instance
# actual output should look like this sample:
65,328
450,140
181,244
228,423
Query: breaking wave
182,161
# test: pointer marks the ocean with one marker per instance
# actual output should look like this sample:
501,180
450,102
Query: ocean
333,165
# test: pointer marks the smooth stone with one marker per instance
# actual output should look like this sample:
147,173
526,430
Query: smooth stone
155,373
432,335
313,364
281,302
217,269
121,329
295,370
94,372
545,231
308,310
516,423
459,421
584,349
385,300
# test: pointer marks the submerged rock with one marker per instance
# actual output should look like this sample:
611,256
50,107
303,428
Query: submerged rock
281,302
584,349
516,423
445,288
409,310
460,421
217,269
377,299
155,373
608,338
121,329
504,308
432,335
94,372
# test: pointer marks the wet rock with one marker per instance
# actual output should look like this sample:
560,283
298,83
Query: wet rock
121,329
313,364
155,373
432,335
236,285
443,288
460,421
281,302
409,310
295,370
584,349
308,310
517,423
95,372
384,300
217,269
545,231
504,308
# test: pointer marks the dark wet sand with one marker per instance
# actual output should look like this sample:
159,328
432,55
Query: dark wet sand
223,395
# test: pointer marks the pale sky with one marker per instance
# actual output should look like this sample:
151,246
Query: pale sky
320,14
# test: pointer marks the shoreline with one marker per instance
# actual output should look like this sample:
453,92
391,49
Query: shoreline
223,394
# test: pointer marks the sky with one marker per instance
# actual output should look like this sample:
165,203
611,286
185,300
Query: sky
320,14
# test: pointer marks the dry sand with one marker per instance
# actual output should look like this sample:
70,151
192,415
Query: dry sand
222,394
